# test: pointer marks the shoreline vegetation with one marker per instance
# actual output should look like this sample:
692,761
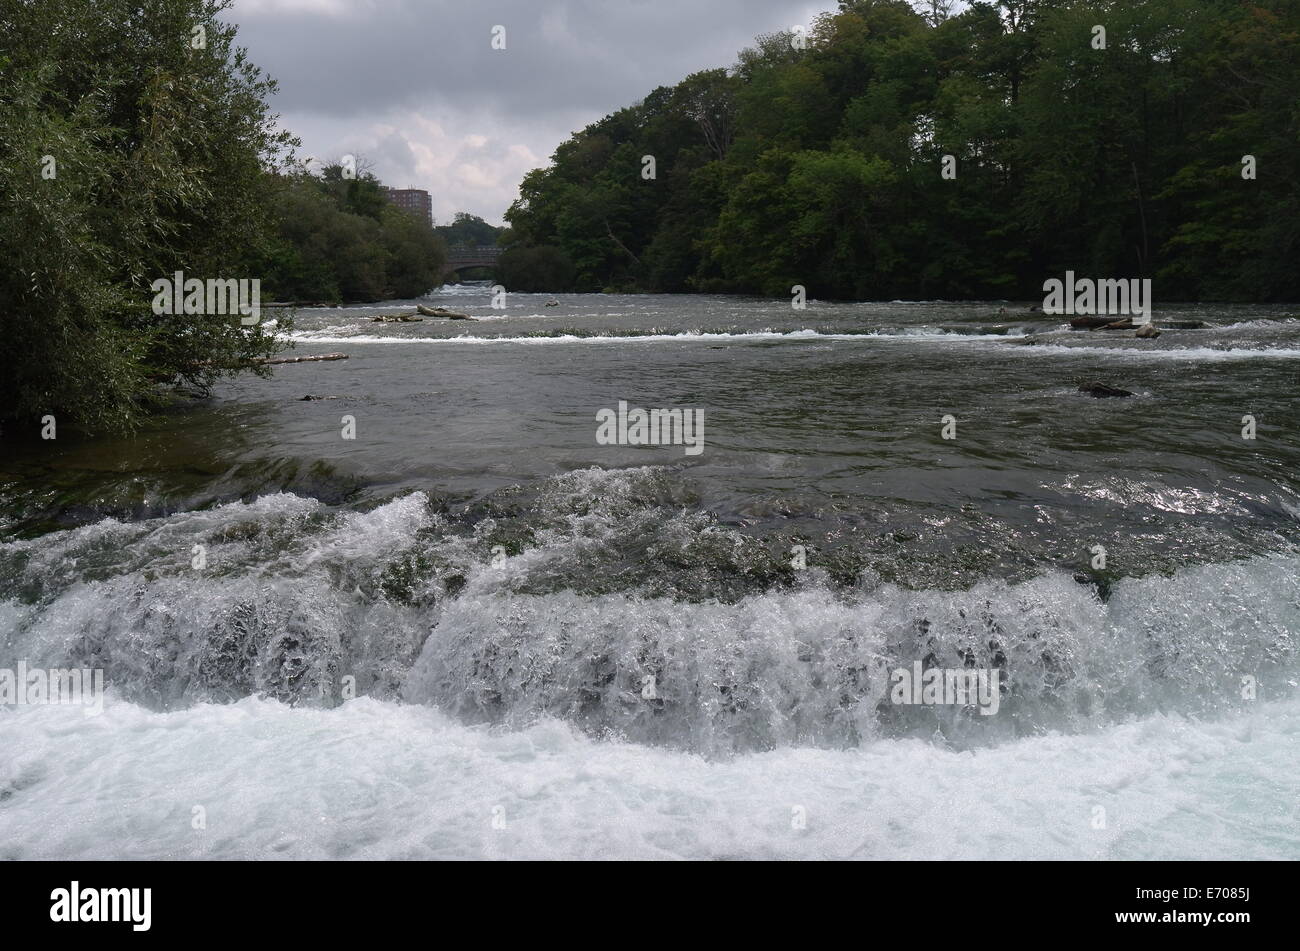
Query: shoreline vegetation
889,154
129,153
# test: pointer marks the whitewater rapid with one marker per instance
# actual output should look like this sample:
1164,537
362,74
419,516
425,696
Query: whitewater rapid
376,780
296,597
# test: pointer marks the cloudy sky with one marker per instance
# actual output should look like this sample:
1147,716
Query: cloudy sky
415,87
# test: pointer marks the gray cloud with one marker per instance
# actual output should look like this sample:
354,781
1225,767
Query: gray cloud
416,87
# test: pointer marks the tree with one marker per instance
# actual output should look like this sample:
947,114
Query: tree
469,231
335,242
532,269
157,147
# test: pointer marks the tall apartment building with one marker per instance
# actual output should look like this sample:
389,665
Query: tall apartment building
416,201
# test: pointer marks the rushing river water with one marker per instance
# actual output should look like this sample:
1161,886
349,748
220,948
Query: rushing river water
562,647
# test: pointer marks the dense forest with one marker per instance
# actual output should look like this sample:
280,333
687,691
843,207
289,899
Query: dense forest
337,238
468,231
1154,139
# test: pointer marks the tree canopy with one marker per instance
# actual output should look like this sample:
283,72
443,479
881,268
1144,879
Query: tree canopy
818,159
337,238
469,231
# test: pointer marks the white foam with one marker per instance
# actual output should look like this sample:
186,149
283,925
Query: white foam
295,595
785,669
919,334
1204,354
372,780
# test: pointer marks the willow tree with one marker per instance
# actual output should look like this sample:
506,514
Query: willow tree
135,141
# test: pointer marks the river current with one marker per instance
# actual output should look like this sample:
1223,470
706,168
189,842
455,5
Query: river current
427,613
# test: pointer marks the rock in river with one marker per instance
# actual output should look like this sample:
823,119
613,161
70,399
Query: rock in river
1101,390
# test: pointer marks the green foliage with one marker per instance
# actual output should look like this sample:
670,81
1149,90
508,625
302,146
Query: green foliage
339,239
542,268
469,231
821,166
160,153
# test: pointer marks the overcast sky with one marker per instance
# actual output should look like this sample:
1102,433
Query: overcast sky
416,87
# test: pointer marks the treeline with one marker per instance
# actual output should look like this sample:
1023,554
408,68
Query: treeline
337,238
469,231
1156,139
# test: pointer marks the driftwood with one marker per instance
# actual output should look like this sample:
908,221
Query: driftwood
442,312
1102,322
266,361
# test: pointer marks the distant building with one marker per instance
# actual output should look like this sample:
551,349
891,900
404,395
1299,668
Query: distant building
415,201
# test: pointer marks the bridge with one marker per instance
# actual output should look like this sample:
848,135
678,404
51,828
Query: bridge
462,259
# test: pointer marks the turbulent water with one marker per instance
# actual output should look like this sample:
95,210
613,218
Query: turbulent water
498,589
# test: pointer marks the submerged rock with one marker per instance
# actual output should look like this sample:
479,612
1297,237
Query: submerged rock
1101,390
1147,332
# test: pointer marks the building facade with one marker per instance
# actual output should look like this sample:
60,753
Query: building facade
415,201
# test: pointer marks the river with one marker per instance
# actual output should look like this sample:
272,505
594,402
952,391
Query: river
473,630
